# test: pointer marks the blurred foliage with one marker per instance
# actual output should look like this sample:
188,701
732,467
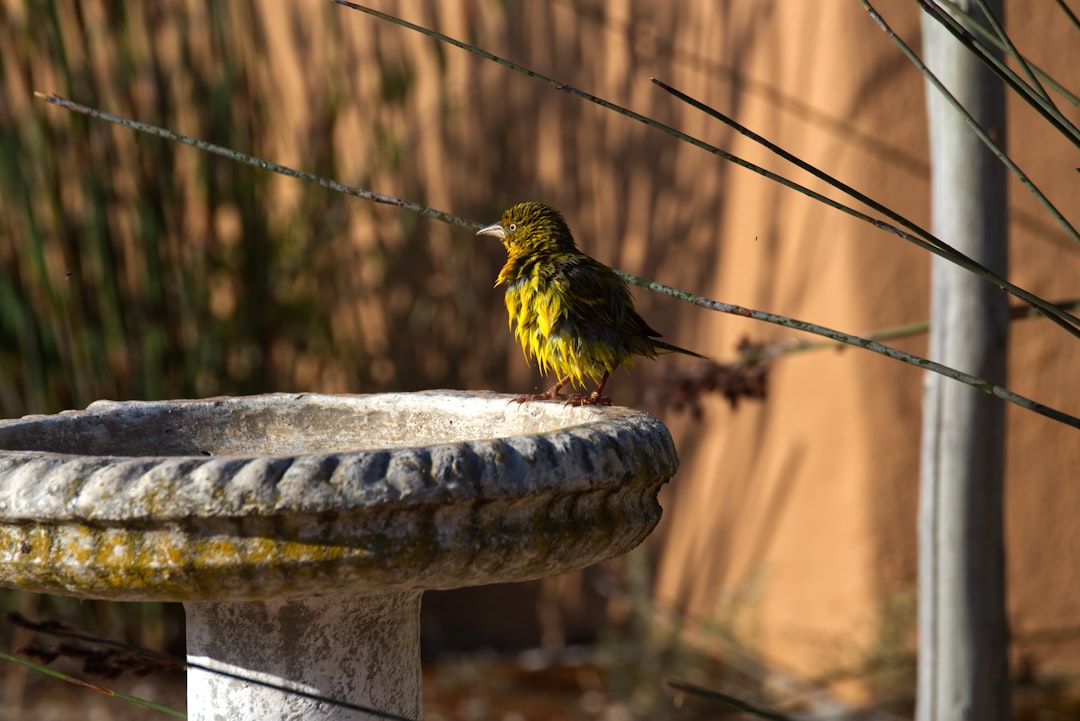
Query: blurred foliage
133,268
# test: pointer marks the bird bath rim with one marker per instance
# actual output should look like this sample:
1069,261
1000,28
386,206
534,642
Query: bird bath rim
544,417
498,492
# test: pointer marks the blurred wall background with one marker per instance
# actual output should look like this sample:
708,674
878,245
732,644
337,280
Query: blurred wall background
131,267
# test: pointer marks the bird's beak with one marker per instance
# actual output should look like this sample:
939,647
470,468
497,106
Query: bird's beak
495,229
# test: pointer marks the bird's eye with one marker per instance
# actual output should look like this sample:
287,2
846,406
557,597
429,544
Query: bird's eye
513,227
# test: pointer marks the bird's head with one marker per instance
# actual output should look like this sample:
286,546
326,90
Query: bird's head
532,227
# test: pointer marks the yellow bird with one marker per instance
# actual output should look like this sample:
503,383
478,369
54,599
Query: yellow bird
570,312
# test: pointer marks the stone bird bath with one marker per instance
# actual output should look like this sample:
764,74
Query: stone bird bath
299,530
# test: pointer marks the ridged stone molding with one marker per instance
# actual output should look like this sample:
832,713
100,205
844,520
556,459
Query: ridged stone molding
299,530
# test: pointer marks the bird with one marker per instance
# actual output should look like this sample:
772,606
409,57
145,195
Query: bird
572,313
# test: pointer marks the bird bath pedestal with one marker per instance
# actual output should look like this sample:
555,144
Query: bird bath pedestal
299,530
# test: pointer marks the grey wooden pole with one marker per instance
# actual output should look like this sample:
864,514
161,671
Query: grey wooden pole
963,630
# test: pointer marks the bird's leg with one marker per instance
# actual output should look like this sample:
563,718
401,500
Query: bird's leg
596,398
551,394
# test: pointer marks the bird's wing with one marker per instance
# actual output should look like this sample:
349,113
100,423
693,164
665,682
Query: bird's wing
598,301
596,294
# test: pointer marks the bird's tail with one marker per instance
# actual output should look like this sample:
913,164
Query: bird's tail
662,346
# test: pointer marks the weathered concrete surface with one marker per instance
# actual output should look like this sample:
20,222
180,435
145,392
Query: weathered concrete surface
289,495
364,650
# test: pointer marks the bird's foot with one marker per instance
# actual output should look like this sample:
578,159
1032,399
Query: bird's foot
593,399
551,394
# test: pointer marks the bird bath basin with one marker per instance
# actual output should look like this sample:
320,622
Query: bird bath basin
299,530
